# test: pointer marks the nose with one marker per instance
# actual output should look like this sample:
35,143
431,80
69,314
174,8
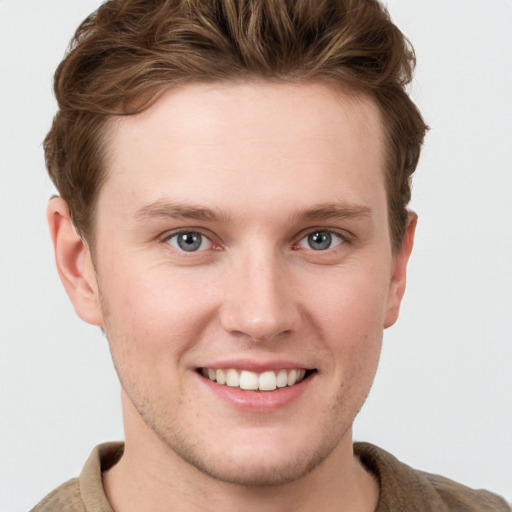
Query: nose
259,303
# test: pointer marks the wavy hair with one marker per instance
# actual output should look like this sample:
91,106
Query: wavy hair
127,53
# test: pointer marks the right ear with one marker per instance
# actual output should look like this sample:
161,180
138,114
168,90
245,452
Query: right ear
74,263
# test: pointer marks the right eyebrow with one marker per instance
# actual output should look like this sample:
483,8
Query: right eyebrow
171,210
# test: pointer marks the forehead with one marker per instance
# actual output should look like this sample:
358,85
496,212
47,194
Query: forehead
255,141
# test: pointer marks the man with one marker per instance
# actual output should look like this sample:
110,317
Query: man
234,180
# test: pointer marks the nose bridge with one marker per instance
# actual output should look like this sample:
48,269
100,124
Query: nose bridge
258,296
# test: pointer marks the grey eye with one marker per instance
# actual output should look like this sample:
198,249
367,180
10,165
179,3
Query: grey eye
321,240
189,241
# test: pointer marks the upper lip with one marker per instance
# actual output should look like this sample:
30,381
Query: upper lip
256,366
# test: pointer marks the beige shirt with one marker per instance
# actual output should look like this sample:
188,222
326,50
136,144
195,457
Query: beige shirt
401,488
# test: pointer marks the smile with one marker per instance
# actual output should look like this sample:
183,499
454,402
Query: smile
252,381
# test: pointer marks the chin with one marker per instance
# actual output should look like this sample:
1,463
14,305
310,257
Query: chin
249,454
262,459
250,471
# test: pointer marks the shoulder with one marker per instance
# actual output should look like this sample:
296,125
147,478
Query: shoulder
460,497
66,498
86,493
407,489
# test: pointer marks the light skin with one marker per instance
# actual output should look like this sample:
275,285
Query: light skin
284,262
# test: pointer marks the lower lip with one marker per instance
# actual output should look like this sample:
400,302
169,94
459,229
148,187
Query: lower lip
257,401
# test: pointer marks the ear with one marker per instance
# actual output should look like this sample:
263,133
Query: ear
399,272
74,263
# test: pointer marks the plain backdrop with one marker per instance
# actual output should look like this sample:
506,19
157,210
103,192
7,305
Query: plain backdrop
442,397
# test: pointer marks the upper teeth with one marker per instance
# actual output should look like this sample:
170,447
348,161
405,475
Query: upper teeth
265,381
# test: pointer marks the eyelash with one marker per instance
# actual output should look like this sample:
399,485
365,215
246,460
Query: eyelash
334,236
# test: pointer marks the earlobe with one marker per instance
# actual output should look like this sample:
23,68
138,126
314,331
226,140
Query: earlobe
399,272
74,263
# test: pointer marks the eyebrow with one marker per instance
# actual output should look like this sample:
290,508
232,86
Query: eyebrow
172,210
333,211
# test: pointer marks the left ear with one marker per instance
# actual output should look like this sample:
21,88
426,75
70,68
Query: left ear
399,272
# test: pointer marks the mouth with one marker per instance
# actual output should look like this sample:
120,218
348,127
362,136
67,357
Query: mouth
246,380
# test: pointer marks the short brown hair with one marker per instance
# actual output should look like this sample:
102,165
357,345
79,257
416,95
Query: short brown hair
128,52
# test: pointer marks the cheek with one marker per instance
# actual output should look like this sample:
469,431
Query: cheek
351,305
153,315
349,317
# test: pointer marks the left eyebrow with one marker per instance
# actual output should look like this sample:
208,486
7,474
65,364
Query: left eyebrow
333,211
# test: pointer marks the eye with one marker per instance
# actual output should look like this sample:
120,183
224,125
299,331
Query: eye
189,241
321,240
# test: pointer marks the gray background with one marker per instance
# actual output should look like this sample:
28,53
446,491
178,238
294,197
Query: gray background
442,398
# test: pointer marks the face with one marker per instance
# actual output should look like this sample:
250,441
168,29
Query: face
245,273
